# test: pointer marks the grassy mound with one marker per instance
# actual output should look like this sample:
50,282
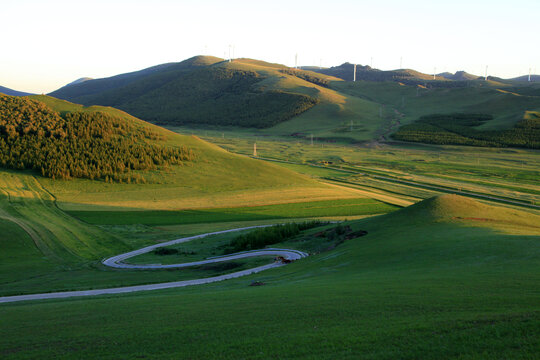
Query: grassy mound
452,208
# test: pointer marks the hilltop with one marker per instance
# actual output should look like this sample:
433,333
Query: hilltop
345,71
79,80
459,76
204,90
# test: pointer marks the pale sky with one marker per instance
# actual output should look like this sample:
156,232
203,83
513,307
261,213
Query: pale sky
47,44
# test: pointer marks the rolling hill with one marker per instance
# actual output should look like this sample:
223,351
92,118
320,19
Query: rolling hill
459,76
116,161
345,71
245,93
451,277
8,91
202,90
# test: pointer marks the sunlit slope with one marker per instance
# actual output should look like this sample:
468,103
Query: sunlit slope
59,238
447,277
215,178
410,102
204,91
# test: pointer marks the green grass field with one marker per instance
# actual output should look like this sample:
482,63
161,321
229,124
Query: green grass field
509,173
343,208
430,281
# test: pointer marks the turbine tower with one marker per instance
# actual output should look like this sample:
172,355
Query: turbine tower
354,74
255,149
401,63
486,77
296,61
529,74
434,72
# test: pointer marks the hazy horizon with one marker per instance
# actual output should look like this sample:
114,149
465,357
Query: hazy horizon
58,42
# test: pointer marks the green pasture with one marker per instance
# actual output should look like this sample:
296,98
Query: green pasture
345,207
430,281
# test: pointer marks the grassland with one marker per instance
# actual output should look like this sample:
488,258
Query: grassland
64,253
340,208
431,281
506,173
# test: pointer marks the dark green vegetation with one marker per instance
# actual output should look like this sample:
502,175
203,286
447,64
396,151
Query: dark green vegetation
460,129
435,280
260,238
344,207
93,145
200,90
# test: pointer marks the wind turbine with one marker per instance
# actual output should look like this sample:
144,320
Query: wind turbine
486,77
354,74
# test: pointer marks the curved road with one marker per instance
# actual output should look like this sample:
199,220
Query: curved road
117,262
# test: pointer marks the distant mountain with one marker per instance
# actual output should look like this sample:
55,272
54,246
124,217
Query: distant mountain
206,90
534,78
80,80
459,76
7,91
364,72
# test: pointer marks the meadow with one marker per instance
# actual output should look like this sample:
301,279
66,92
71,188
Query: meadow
427,281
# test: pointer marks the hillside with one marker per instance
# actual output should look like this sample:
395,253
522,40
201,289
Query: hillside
207,92
91,144
202,90
451,277
8,91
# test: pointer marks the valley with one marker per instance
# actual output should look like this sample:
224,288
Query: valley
137,220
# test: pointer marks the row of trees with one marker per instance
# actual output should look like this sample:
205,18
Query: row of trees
262,237
92,145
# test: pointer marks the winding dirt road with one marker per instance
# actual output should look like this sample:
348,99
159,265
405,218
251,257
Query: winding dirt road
117,262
